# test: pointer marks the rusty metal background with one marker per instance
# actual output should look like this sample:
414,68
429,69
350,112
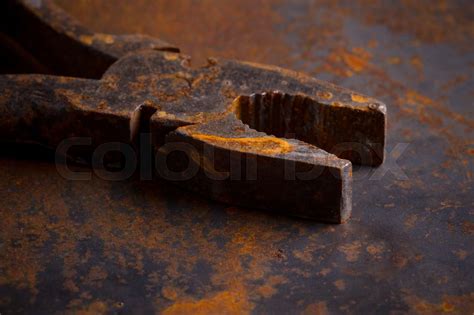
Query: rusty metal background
136,247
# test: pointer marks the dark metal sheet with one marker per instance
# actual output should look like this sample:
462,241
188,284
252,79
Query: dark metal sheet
140,246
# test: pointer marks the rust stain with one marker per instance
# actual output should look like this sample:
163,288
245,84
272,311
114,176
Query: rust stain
468,227
463,304
417,62
410,221
462,254
324,95
246,242
358,60
266,290
87,39
359,98
226,302
399,261
318,308
171,56
340,284
346,63
96,307
269,288
96,275
265,145
415,98
169,293
351,250
304,255
456,81
394,60
106,38
375,250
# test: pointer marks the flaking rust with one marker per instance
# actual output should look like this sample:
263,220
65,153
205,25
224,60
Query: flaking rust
237,132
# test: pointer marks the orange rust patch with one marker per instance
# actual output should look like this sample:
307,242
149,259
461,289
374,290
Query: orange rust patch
394,60
416,62
415,97
450,84
340,284
226,302
106,38
468,227
264,145
359,98
410,221
462,254
247,243
169,293
351,250
268,289
86,39
319,308
375,250
89,39
399,261
358,60
324,94
447,307
303,255
463,304
97,307
96,275
345,63
171,56
70,286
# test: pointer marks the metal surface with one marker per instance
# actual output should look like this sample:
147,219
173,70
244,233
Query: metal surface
140,246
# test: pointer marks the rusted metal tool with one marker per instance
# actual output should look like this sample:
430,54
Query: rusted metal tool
238,132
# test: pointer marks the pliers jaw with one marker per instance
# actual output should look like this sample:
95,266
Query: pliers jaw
233,163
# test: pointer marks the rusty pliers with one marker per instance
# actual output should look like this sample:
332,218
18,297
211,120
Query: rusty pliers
238,132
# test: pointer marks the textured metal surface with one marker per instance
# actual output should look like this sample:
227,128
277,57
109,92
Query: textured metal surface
139,246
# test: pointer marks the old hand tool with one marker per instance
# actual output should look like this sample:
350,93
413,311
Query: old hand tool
238,132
